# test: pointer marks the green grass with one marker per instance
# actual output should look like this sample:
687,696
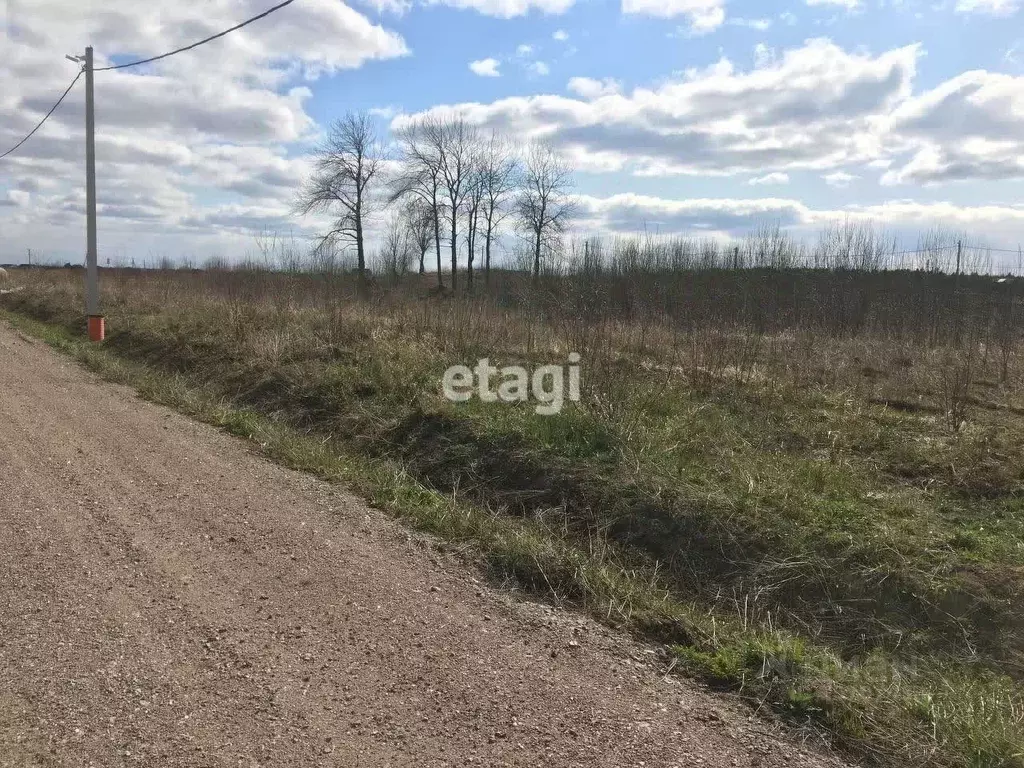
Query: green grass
855,566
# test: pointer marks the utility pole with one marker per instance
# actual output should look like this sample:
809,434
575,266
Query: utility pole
92,288
96,324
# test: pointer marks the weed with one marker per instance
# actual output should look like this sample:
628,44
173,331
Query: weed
774,515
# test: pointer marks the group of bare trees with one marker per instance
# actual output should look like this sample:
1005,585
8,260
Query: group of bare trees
443,182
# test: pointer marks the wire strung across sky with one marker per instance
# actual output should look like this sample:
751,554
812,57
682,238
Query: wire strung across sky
219,35
966,247
45,118
204,41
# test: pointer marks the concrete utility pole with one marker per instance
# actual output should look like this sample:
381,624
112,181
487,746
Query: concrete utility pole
92,288
96,323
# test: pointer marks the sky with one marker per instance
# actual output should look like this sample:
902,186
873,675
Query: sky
698,117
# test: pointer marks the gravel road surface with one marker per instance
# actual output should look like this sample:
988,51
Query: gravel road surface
168,598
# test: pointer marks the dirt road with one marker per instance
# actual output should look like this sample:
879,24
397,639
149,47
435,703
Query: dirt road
167,598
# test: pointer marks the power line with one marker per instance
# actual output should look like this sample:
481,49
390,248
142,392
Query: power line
47,117
246,23
935,248
219,35
932,249
996,250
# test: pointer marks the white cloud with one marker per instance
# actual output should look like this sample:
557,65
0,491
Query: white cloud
847,4
703,15
769,179
628,213
397,7
589,88
16,197
560,35
525,52
632,213
975,217
485,67
760,25
969,127
764,56
219,122
839,178
816,107
990,7
385,112
508,9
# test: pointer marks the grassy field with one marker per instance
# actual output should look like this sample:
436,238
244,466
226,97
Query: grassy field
807,484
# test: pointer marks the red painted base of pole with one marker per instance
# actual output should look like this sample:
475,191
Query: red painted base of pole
97,328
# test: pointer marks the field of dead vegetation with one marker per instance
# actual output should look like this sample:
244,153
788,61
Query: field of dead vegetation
806,482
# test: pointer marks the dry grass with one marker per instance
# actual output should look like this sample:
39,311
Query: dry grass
819,506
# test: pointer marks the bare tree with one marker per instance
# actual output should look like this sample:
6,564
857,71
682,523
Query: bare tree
500,171
543,205
396,248
419,177
421,225
347,163
326,260
475,197
456,147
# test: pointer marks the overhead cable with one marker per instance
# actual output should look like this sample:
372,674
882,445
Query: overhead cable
204,41
45,118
